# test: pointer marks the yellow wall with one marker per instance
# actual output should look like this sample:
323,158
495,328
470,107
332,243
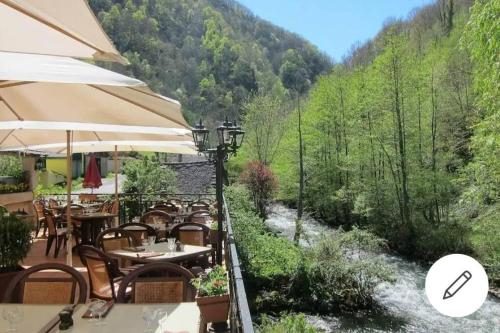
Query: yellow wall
57,165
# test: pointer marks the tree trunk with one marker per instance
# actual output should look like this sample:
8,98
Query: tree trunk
300,204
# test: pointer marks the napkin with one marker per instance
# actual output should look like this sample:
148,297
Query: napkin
149,254
108,306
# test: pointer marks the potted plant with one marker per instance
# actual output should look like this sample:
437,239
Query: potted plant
213,295
15,242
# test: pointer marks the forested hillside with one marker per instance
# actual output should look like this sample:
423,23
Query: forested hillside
209,54
403,138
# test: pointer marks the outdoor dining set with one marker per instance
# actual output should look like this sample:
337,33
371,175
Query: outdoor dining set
151,260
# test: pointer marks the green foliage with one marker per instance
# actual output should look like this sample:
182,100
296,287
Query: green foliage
292,323
11,166
339,273
387,136
210,55
147,176
213,284
15,241
13,188
343,271
269,261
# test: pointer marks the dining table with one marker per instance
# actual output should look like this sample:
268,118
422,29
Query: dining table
159,252
171,317
91,224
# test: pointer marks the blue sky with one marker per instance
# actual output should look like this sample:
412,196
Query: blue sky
332,25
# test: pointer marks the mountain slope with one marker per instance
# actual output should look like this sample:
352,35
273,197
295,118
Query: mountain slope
209,54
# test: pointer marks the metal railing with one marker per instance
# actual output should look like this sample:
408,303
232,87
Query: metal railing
239,316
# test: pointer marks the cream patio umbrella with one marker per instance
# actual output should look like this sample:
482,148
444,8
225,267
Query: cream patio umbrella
54,27
41,97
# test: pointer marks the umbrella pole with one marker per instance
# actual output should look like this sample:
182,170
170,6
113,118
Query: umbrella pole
69,178
115,158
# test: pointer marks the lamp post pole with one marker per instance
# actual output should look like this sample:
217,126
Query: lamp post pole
219,188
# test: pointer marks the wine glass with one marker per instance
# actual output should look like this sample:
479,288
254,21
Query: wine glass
97,308
151,240
13,315
150,316
171,244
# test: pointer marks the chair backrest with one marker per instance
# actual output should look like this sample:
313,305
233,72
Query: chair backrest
199,205
87,197
101,269
114,207
139,231
175,201
114,239
53,203
157,283
105,206
27,289
50,220
39,206
166,207
199,216
149,217
191,233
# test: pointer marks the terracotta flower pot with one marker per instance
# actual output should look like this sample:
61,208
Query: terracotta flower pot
214,308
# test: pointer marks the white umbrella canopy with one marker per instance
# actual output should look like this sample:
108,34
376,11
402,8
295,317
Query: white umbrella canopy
54,27
42,95
185,147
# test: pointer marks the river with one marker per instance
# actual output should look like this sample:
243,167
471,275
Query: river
405,303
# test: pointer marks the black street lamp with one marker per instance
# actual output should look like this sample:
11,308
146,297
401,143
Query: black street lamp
230,137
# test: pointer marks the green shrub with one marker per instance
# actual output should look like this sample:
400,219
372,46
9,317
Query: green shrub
287,324
15,241
13,188
269,261
342,271
11,166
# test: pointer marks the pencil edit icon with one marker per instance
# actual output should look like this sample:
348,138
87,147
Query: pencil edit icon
460,281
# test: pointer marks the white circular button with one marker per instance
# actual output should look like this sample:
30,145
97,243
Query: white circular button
456,285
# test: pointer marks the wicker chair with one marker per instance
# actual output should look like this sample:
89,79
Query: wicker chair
191,233
157,283
55,233
165,218
166,207
24,288
199,216
114,239
38,208
199,205
104,274
140,231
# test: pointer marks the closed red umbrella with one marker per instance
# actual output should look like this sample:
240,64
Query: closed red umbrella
92,176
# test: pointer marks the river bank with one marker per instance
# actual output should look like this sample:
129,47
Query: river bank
404,305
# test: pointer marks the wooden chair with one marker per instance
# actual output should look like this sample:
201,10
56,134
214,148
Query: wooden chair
140,231
157,283
38,208
165,218
192,233
199,205
27,289
55,233
199,216
176,201
87,197
114,239
104,274
166,207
